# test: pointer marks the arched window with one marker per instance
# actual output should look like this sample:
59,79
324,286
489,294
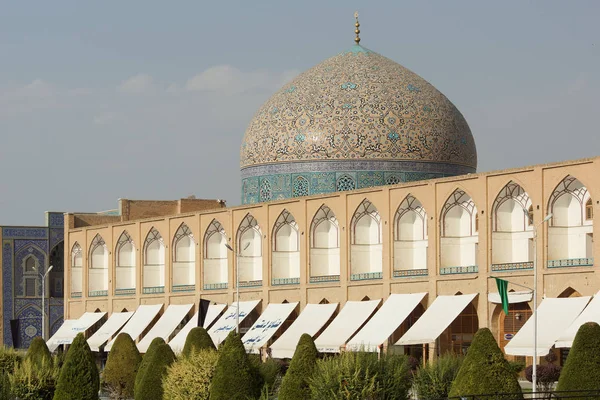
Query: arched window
154,263
98,272
324,246
410,238
366,244
215,257
249,240
184,259
30,265
125,265
76,270
459,234
570,234
512,235
286,250
30,280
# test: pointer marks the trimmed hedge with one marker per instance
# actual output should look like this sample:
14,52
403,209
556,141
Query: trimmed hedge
294,385
485,370
234,375
582,368
151,384
121,368
38,352
189,378
78,379
198,339
34,381
146,362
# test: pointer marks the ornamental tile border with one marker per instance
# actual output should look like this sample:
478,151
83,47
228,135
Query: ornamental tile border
247,284
324,279
215,286
471,269
512,266
366,276
153,290
571,262
285,281
76,295
125,292
98,293
184,288
406,273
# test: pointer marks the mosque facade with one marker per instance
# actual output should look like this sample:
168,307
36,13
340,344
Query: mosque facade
359,184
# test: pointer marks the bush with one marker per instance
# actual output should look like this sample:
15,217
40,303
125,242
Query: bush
145,362
582,368
121,368
151,385
9,361
295,382
270,374
516,366
38,352
485,370
234,375
34,380
78,379
547,374
360,375
434,380
198,339
190,377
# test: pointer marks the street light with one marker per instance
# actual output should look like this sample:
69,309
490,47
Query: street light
534,371
44,276
237,285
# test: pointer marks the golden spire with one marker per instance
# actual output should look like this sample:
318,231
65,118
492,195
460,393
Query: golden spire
357,31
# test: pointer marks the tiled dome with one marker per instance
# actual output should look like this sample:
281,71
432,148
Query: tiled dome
355,113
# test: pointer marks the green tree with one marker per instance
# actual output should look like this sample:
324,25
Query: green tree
146,361
189,378
294,385
196,340
434,380
234,375
582,368
485,370
78,379
151,385
38,352
121,368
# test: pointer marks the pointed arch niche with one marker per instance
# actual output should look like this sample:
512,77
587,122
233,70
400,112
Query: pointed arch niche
366,255
215,257
184,260
512,229
459,237
570,233
249,238
76,271
285,255
98,268
153,274
125,266
324,247
410,238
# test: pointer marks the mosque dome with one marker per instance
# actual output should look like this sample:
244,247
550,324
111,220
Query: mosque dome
355,120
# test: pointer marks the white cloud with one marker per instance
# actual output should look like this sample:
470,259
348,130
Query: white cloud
37,88
139,83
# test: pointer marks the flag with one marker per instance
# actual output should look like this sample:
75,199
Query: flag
503,292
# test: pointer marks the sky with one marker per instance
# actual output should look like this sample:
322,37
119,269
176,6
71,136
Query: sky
150,99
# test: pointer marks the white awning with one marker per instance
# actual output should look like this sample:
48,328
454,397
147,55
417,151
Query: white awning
82,324
352,316
436,319
554,315
267,325
143,317
108,330
590,314
219,331
513,297
63,332
214,310
165,326
383,324
311,320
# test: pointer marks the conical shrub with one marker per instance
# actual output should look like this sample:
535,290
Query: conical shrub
295,382
233,378
151,384
121,368
78,379
582,368
38,352
196,340
485,370
146,361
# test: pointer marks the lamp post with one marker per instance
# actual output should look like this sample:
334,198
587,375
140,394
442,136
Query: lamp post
44,276
534,371
237,285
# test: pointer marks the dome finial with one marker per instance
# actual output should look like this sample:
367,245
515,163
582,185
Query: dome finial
357,31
